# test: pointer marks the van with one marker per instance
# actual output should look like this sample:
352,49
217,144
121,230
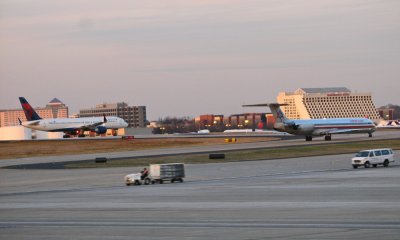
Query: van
373,157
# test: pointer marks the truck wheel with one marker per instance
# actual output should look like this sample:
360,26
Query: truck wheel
137,182
128,184
374,165
386,163
355,166
147,181
181,180
367,164
173,180
161,181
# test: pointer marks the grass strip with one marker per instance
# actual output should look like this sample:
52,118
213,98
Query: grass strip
248,155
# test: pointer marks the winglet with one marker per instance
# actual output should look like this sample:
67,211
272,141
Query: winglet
265,105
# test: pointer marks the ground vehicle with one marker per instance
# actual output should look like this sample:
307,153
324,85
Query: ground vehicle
373,157
158,173
136,179
167,172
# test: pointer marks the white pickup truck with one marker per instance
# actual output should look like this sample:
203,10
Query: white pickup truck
373,157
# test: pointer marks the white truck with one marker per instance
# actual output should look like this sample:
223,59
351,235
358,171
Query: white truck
373,157
159,173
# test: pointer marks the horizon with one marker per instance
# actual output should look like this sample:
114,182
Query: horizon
187,58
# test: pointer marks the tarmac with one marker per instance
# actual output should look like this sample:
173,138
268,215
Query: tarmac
341,138
299,198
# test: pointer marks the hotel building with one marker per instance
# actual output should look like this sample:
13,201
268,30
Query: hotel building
339,102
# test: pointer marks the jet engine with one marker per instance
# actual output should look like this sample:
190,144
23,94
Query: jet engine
100,129
305,128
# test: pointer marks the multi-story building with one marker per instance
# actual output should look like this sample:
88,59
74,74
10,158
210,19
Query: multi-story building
135,116
234,121
54,109
339,102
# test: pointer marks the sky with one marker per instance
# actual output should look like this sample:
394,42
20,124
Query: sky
193,57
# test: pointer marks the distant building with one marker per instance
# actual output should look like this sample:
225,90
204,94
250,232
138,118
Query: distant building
386,113
234,121
135,116
54,109
339,102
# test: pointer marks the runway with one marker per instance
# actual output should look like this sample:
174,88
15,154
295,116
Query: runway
201,149
303,198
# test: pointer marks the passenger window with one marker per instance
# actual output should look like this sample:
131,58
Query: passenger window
371,154
378,153
385,152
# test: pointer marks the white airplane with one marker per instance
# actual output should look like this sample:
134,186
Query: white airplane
391,124
317,127
70,126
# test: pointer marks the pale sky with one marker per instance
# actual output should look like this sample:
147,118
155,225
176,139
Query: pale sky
186,58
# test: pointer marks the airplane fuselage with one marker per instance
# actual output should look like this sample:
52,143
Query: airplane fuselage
70,124
319,127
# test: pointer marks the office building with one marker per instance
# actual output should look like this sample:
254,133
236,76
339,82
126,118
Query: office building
54,109
339,102
135,116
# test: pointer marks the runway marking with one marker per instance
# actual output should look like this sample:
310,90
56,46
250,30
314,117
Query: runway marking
206,224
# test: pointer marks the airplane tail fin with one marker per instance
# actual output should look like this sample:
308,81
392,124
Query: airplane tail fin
275,109
30,113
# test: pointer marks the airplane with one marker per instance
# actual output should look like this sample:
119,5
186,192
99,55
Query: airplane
317,127
391,124
70,126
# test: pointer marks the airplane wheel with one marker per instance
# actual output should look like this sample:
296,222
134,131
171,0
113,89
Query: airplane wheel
328,138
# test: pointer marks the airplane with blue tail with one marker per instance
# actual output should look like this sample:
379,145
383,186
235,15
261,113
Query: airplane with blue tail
70,126
317,127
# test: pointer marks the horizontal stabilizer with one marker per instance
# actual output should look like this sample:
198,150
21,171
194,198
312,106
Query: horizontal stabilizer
265,105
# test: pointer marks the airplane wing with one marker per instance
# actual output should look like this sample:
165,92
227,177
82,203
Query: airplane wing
341,131
31,123
91,126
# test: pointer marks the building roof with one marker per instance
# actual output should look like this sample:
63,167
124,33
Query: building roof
324,90
55,101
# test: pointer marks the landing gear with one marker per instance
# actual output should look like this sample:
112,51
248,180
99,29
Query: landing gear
81,134
308,138
369,134
328,137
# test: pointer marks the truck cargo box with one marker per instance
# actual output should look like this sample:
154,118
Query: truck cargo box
170,171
